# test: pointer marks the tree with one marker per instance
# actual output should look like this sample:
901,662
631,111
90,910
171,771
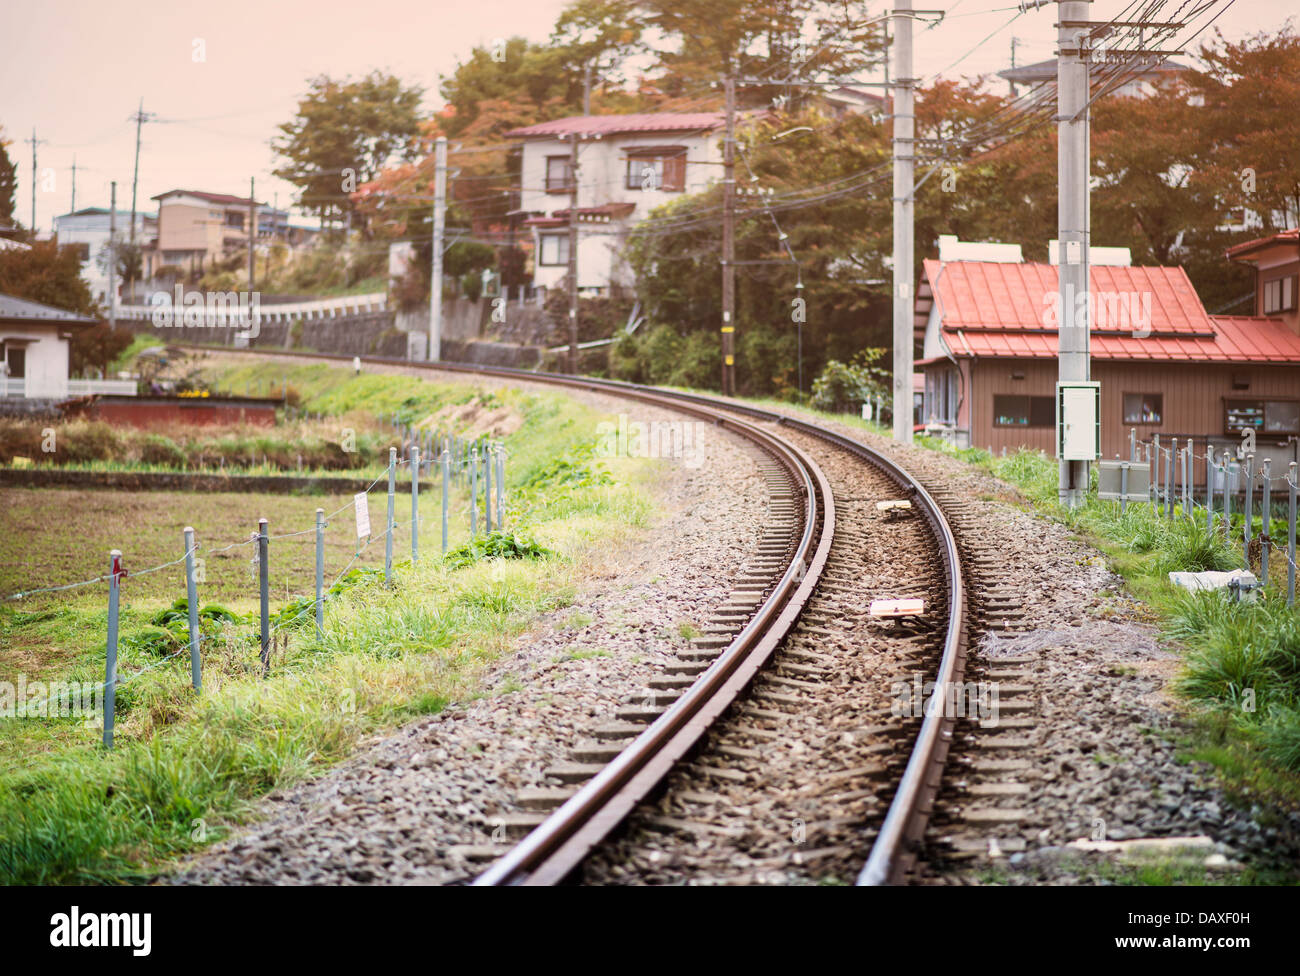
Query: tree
97,347
48,274
8,180
345,132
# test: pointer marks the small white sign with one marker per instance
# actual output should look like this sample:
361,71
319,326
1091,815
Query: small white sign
897,608
362,506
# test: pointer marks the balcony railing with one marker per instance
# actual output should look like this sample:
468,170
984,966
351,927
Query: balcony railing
12,386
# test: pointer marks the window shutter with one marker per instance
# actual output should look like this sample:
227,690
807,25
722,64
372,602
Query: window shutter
675,172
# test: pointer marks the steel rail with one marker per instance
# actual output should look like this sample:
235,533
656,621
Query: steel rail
893,851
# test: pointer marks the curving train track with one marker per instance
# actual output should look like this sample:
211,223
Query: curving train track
775,749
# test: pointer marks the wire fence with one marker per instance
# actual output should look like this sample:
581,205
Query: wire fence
450,461
1232,477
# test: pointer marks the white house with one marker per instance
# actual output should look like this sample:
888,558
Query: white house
34,348
627,166
88,230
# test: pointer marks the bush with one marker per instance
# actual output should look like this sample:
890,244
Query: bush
845,387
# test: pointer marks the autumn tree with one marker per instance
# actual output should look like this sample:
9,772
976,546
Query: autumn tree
343,135
48,274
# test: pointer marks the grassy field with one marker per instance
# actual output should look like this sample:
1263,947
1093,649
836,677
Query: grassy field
185,766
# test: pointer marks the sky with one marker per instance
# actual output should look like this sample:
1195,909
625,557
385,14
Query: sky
76,71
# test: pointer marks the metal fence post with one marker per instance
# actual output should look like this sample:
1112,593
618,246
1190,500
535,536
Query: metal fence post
1209,490
320,572
388,536
501,488
1154,451
415,504
192,598
473,493
1290,535
110,662
1123,487
1265,512
1132,444
446,473
1169,479
1250,509
1229,489
264,591
487,487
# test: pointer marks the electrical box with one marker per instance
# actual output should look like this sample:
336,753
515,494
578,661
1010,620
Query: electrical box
1078,421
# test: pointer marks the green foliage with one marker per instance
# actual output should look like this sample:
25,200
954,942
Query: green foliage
575,468
498,544
844,387
8,179
302,611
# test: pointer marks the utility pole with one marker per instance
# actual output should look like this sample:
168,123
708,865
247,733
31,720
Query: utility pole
1073,353
1014,41
586,88
252,233
112,255
729,242
35,142
573,253
904,199
140,118
73,207
439,232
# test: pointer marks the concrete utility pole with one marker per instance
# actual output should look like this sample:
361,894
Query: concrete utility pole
140,117
35,142
904,200
1014,41
252,232
439,232
573,253
1073,353
729,242
73,206
112,255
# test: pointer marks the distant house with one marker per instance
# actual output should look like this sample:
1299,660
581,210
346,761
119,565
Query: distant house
627,166
34,354
196,228
1165,366
87,230
1141,83
1276,261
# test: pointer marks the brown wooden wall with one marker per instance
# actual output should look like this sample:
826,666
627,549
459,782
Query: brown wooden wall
1193,400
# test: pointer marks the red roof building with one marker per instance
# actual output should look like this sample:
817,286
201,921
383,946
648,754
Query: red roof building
1167,367
1276,261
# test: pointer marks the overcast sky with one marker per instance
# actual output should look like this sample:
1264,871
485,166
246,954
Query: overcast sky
76,71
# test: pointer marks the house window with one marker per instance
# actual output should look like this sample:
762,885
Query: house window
235,220
16,358
1143,408
559,175
1012,410
1267,416
1280,295
660,169
554,249
81,249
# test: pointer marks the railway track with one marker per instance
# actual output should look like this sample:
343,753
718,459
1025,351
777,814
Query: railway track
776,748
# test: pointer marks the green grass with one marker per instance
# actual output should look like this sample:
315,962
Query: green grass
186,767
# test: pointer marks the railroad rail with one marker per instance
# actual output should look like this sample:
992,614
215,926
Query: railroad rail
552,851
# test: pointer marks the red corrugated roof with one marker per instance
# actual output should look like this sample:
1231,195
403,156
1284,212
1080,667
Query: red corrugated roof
1237,250
1000,296
1238,339
1001,310
223,198
612,124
